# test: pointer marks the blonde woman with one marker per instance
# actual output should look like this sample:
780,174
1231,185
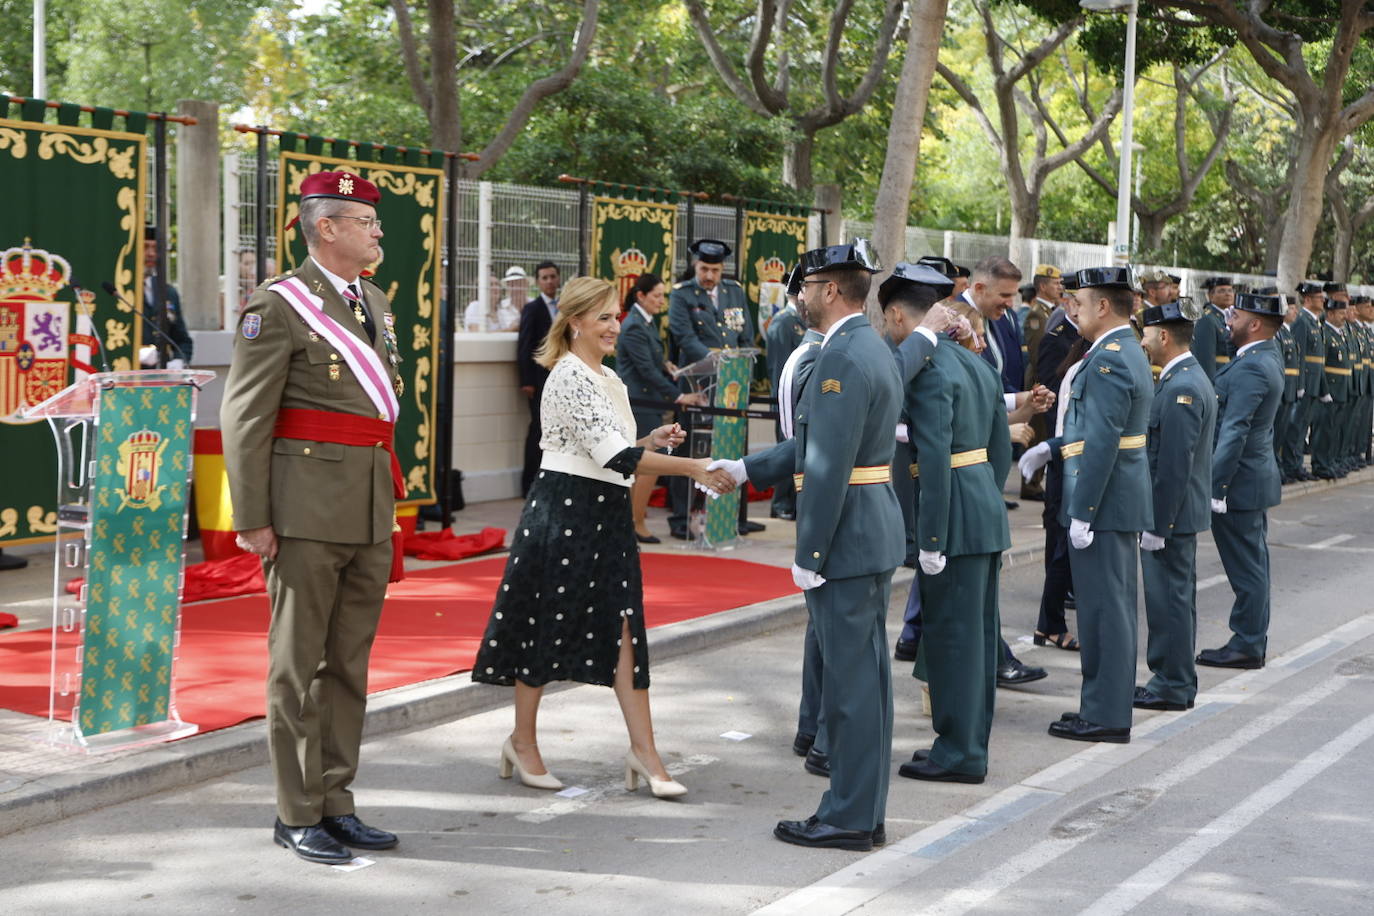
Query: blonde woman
570,606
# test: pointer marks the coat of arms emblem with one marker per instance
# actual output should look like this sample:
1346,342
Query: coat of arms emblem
34,328
140,457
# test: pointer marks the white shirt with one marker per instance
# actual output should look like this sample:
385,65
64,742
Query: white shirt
1178,359
1251,344
338,282
836,326
989,339
647,317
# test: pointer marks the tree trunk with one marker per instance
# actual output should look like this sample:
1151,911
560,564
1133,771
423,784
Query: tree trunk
1151,231
892,205
445,118
796,162
1342,240
1025,220
1292,250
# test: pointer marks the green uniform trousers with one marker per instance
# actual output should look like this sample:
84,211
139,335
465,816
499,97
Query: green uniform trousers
811,712
850,618
1306,414
326,600
1170,579
1354,416
1242,539
1326,438
961,642
1282,420
1104,584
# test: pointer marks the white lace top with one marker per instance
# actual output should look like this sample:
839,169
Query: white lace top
586,421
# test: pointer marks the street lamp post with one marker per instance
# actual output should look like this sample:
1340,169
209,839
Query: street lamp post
1121,249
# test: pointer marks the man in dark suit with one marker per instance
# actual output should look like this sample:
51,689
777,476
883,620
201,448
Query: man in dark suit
1245,476
992,289
174,349
1182,420
535,320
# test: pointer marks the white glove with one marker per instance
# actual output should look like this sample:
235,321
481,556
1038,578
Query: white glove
903,434
1150,542
805,579
147,356
1219,506
705,489
1080,534
732,466
1325,399
176,364
1034,459
1301,392
932,562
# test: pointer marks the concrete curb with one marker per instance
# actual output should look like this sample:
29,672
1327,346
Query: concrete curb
182,763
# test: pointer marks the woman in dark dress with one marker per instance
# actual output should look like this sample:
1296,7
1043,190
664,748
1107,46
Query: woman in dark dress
570,606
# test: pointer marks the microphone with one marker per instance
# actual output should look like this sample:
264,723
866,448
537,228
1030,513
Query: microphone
100,346
109,287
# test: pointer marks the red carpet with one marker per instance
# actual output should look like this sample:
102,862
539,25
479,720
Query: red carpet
431,625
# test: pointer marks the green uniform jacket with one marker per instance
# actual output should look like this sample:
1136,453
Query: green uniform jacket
1292,363
1211,340
1337,369
1244,470
697,327
956,406
1109,399
639,361
319,491
1183,419
1359,357
784,333
1307,334
845,419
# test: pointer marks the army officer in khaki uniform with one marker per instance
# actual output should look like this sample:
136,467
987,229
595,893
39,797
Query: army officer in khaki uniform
309,409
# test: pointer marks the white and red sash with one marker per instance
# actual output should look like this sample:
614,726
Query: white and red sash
366,365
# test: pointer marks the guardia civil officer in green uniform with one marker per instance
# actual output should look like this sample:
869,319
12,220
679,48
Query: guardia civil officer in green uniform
1182,421
1329,437
309,410
1364,314
958,424
1245,476
1358,346
783,336
707,311
1211,346
849,539
1292,378
1311,346
1106,501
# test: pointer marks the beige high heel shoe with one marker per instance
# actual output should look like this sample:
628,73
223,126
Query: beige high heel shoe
662,788
510,762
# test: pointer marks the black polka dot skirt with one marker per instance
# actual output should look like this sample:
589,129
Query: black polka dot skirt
571,586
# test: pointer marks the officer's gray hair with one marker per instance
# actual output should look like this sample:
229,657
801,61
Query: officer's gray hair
313,210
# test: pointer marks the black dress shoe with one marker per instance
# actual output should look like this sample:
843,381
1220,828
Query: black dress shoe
1011,504
12,562
922,754
1226,657
816,835
906,651
1145,698
748,527
680,534
647,538
348,830
1080,729
801,744
817,764
880,835
1014,674
924,769
313,843
784,515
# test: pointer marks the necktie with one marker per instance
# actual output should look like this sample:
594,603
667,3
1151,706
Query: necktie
360,312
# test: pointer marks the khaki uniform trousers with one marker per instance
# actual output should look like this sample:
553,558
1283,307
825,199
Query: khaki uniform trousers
326,601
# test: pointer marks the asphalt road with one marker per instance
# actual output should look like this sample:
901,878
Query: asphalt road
1257,801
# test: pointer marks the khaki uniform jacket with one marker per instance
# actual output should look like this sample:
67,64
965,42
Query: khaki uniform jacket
320,491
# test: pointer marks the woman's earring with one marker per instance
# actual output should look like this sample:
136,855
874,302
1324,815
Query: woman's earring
575,333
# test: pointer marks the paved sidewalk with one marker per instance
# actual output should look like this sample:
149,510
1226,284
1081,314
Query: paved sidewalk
39,783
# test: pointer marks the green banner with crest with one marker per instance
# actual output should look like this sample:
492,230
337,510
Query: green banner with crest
728,438
631,238
142,458
411,210
73,213
773,242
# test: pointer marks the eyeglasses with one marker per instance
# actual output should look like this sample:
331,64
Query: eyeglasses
369,222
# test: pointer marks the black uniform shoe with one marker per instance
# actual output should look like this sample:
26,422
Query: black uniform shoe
1148,699
924,769
817,764
813,833
1080,729
801,744
313,844
348,830
1011,504
920,755
1226,657
784,514
680,534
1014,673
880,835
748,527
906,651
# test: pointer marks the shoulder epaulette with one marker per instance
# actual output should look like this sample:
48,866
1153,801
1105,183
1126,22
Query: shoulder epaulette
681,283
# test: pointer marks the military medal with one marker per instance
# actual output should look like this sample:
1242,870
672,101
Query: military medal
399,385
358,312
333,372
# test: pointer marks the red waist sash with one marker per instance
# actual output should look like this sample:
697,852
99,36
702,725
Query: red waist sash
348,429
